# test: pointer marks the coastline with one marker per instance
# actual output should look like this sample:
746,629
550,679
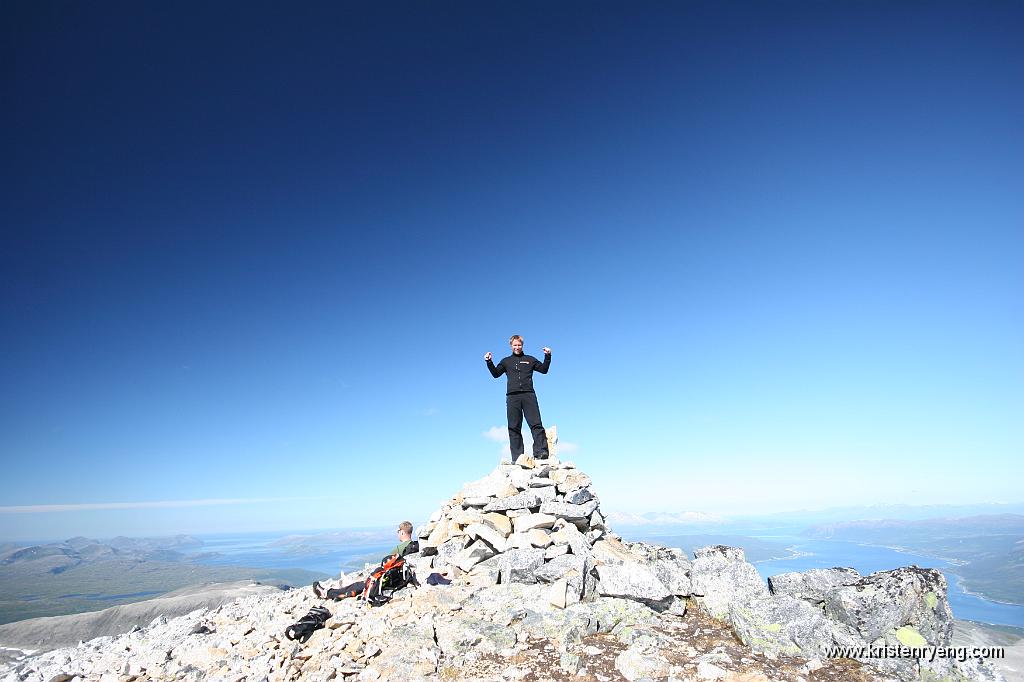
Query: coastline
954,563
794,553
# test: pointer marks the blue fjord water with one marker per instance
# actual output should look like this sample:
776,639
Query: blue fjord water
266,550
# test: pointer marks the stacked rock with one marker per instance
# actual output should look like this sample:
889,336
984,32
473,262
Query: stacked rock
540,521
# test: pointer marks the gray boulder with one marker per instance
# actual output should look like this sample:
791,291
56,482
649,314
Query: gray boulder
670,565
447,552
604,615
576,513
487,572
457,637
528,499
526,522
579,496
906,606
721,577
520,565
473,555
633,581
559,566
565,533
782,625
724,551
814,585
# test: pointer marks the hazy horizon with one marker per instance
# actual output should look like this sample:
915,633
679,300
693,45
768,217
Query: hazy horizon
715,521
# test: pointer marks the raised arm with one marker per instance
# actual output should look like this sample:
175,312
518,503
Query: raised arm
495,371
542,367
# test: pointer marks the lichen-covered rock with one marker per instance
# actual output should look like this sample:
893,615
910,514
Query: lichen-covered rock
670,565
637,664
782,625
559,566
458,636
411,652
720,577
878,605
520,565
632,581
722,551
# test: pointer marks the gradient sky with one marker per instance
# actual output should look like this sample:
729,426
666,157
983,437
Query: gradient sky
252,255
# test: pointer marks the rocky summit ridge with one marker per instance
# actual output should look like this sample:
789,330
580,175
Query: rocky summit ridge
543,589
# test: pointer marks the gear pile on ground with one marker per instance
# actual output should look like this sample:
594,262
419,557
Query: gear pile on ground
544,590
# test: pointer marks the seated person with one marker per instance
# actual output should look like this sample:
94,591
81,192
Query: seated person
406,545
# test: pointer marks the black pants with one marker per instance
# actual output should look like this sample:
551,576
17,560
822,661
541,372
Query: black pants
353,590
517,405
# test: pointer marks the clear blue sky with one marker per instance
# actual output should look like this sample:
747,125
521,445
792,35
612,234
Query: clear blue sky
254,253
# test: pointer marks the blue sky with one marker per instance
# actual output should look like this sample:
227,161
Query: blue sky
252,256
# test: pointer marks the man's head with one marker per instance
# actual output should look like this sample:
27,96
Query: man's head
404,531
517,344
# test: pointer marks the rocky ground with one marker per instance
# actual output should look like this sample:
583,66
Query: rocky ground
456,632
43,634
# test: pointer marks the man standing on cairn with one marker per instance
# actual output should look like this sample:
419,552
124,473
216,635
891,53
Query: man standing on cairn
520,399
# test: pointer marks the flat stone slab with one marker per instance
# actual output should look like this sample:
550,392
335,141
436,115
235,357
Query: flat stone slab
522,524
524,500
571,512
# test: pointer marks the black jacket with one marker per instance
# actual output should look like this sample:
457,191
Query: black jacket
519,370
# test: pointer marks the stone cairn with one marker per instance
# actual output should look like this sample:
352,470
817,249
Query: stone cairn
539,521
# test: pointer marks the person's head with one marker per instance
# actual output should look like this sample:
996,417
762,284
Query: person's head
404,531
517,344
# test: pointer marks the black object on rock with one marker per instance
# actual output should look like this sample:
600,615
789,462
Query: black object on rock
437,579
308,624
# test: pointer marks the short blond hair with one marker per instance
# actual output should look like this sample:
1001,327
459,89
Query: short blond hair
406,526
514,338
